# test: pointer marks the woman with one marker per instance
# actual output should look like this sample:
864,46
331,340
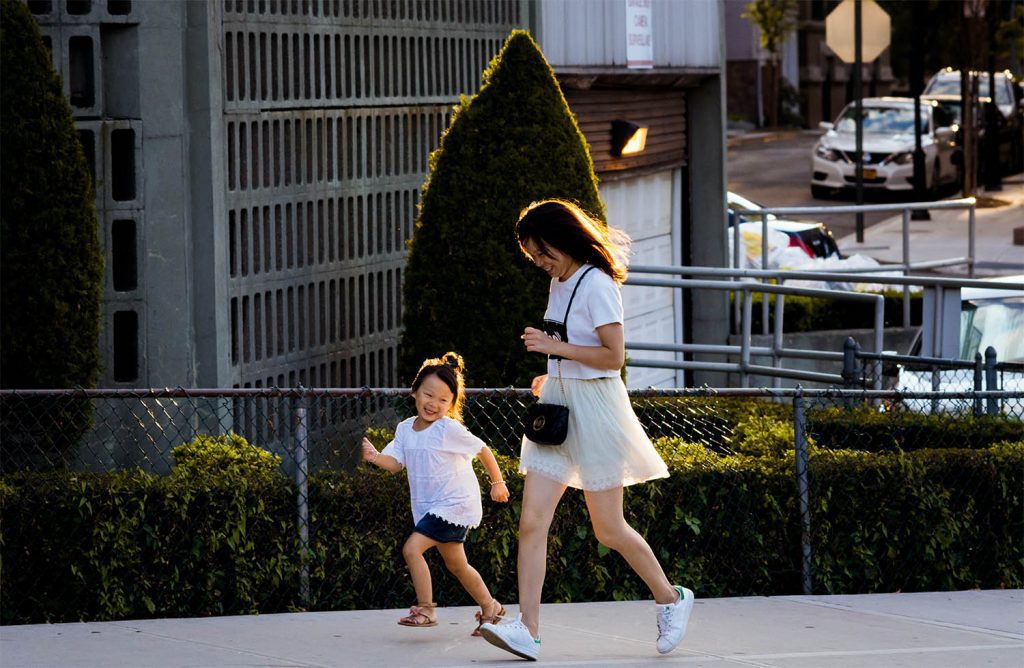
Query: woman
606,448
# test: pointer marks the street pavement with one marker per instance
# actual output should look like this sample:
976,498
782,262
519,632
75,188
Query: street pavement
925,630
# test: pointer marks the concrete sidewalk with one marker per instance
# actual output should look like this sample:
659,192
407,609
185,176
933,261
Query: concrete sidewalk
931,630
945,235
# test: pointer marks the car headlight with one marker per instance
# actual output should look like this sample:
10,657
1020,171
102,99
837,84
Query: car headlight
826,153
901,158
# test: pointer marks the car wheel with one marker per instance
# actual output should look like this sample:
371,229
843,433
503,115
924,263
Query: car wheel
820,192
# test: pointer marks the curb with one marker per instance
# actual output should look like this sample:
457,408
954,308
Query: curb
765,137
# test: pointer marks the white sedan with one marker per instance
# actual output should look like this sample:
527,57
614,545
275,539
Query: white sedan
888,147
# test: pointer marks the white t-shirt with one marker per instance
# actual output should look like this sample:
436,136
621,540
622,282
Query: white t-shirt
439,464
598,302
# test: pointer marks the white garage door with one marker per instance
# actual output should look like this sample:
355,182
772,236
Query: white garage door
648,209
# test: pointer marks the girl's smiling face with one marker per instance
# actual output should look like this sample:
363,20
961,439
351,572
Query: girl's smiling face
554,262
433,399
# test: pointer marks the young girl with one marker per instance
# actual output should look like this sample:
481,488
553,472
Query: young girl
606,448
438,451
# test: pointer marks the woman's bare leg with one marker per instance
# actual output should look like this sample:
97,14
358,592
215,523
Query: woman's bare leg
540,498
613,531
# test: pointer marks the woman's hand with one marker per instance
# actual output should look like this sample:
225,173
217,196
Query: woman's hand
536,341
537,384
369,452
499,492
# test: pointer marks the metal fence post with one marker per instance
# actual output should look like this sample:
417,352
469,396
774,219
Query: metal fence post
302,487
991,379
850,368
803,491
978,387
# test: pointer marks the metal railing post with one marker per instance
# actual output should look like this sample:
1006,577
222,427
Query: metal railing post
971,227
906,266
736,313
302,493
850,372
748,310
991,379
978,379
803,487
764,265
777,343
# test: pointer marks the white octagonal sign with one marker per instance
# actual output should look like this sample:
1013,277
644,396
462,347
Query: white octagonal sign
875,30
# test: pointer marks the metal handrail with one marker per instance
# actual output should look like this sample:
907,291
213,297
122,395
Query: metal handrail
744,367
906,266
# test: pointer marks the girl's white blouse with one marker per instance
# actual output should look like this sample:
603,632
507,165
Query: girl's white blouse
439,464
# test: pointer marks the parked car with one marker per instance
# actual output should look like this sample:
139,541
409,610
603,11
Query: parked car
944,88
988,317
888,147
786,238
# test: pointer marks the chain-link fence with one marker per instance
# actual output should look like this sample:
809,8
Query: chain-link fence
771,492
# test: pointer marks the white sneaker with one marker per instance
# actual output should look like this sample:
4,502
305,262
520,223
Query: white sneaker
672,620
513,636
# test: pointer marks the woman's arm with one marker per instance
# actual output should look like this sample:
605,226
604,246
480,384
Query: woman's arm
386,462
611,354
499,490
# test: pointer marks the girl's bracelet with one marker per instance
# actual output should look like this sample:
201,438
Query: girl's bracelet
373,460
497,482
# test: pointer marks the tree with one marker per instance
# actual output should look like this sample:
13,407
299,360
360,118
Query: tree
775,19
468,287
51,270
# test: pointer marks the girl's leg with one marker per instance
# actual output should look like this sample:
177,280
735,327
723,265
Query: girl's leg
413,551
540,498
454,555
611,530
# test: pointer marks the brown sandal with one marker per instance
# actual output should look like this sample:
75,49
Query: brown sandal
482,619
418,616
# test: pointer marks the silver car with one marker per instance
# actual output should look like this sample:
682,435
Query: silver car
888,147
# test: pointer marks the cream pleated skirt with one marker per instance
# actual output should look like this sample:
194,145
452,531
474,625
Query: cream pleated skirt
605,448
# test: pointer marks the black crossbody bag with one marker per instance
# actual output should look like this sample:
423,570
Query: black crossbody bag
548,424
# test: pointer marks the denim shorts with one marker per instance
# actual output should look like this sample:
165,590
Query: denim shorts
440,530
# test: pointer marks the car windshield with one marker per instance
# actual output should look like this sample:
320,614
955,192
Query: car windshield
882,120
993,322
951,86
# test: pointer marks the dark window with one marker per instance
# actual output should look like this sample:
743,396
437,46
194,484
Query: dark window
122,157
119,7
123,254
126,346
79,7
80,77
40,6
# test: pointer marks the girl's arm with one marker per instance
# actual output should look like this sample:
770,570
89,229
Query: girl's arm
499,490
611,354
386,462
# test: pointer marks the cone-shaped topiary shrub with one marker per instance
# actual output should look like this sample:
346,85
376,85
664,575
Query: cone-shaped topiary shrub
51,270
468,287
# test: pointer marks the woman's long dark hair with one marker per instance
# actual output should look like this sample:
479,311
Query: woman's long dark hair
449,368
562,225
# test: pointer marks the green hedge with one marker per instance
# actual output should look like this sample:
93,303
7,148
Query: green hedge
865,428
812,314
130,545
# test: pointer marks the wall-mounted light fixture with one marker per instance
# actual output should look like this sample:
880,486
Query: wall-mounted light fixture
628,138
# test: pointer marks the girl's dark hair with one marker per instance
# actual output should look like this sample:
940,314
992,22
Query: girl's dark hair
565,226
449,368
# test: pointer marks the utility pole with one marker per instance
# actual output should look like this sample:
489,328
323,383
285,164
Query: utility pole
858,93
993,177
916,85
